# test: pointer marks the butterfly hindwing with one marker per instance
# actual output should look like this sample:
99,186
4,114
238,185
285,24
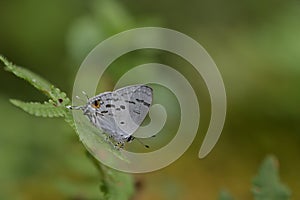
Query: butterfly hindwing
138,100
122,111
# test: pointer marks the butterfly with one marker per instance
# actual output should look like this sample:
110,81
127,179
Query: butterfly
119,113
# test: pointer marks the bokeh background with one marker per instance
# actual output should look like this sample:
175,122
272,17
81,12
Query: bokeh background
255,44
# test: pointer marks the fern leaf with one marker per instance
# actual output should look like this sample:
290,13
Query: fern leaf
38,109
34,79
56,107
224,195
37,81
112,178
267,185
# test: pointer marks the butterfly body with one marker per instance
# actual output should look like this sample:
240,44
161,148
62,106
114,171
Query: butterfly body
119,113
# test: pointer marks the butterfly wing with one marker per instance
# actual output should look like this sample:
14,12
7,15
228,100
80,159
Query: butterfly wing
138,99
122,111
104,116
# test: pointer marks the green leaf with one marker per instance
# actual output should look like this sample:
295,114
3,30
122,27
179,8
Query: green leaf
56,107
69,119
95,141
224,195
41,110
267,185
32,78
117,185
114,185
37,81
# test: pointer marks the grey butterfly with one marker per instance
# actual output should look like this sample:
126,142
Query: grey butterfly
119,113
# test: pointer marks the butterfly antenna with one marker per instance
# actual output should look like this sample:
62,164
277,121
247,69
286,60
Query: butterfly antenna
75,107
85,94
80,99
79,107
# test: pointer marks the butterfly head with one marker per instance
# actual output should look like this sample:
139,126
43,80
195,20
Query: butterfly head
90,107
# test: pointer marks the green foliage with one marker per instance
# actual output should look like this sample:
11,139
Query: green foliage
55,107
267,185
224,195
38,82
113,184
47,109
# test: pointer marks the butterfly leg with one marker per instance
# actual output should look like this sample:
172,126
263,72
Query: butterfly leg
119,145
122,145
107,138
130,139
116,146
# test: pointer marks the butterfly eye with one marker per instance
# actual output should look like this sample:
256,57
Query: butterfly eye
96,104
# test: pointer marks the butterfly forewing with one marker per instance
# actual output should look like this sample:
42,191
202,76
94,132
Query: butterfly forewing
104,114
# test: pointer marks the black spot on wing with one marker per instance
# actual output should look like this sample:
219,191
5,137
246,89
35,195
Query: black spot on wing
137,112
127,101
110,106
143,102
146,104
112,99
122,106
139,100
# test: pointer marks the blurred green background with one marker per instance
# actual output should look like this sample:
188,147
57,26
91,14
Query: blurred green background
255,44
